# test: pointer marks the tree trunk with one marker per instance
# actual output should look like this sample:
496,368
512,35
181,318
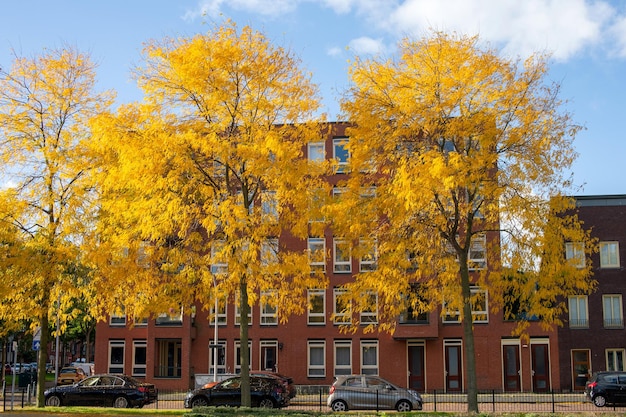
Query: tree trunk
244,309
468,336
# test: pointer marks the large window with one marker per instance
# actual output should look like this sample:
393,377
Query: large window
168,358
118,318
342,313
317,306
369,357
412,314
369,313
221,312
578,315
343,357
609,255
478,252
238,356
342,259
575,254
341,154
116,356
615,360
139,358
316,151
480,307
217,355
268,308
269,355
316,367
369,255
317,254
612,310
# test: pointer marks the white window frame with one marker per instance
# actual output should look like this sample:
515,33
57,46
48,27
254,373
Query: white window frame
316,151
609,254
238,356
139,369
484,313
269,252
269,316
116,368
612,311
222,310
317,254
316,318
118,320
340,317
342,368
221,348
339,144
264,347
615,359
369,368
238,315
371,316
368,261
315,369
341,263
218,267
269,206
575,253
477,255
578,312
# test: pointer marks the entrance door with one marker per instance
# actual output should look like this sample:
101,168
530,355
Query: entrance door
581,364
416,367
511,363
454,369
541,367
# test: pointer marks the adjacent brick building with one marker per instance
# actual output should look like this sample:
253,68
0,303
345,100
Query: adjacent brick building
425,352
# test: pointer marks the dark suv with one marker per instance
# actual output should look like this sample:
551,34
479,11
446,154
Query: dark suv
606,388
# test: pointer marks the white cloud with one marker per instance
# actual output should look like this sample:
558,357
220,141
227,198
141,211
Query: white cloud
365,45
213,8
618,33
334,51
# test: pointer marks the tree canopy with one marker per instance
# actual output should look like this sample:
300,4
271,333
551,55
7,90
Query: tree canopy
466,156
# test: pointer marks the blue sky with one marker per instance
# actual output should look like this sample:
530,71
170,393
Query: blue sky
587,39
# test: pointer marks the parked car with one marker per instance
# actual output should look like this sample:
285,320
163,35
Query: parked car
70,375
606,388
285,380
366,392
119,391
20,368
265,392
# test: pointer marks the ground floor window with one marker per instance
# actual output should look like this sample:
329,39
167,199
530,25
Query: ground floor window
116,356
139,358
369,357
168,358
217,355
316,358
615,359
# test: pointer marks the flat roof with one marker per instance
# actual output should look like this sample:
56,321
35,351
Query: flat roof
600,200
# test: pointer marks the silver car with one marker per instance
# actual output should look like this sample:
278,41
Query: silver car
367,392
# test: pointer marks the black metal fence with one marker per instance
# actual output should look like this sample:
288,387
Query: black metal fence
313,397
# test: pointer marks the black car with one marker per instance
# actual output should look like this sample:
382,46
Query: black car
119,391
265,391
606,388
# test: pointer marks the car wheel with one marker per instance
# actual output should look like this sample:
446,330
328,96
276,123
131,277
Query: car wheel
403,406
599,401
120,402
53,401
339,405
199,402
266,403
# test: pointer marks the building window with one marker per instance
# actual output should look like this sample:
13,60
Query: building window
217,354
609,254
578,316
369,255
268,309
269,252
369,314
116,356
269,206
238,356
480,310
168,358
317,254
575,254
343,357
221,312
238,313
451,315
341,256
174,317
317,307
118,319
369,357
615,360
341,154
342,313
269,355
139,358
315,151
612,311
218,266
411,314
316,359
477,254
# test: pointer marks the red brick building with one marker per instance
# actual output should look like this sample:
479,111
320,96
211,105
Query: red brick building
425,353
593,337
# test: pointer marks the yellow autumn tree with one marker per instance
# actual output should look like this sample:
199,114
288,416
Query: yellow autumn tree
204,183
459,162
45,102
